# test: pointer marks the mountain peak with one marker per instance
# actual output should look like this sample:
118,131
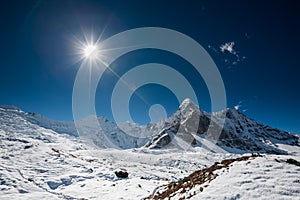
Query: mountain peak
187,103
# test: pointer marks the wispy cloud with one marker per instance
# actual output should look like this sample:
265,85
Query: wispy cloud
229,48
238,106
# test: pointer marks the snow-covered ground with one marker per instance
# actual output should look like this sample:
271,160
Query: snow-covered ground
260,178
39,163
61,167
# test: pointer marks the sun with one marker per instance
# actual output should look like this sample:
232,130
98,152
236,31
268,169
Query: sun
90,51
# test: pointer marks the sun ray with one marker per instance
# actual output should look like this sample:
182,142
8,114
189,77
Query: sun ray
92,55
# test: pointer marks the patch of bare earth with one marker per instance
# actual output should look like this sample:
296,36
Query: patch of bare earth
197,178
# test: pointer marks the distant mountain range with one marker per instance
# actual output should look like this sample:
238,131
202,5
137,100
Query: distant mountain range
186,128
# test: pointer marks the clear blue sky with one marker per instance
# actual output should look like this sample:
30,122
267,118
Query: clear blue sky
37,62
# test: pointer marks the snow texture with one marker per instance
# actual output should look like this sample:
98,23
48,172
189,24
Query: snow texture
45,159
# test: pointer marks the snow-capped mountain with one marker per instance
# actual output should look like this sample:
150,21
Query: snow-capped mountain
40,163
112,131
37,162
238,133
187,127
243,133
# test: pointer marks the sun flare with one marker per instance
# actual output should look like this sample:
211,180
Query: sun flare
90,51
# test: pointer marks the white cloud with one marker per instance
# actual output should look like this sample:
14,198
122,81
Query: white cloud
228,47
238,106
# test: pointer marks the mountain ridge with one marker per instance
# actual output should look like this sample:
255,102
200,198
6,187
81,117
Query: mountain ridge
238,132
185,128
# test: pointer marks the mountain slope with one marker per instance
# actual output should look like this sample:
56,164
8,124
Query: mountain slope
186,128
116,136
246,177
243,133
40,163
238,134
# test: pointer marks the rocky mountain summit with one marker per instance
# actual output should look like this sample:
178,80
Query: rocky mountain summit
238,132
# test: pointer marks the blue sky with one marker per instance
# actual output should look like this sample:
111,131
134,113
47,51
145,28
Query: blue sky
260,73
